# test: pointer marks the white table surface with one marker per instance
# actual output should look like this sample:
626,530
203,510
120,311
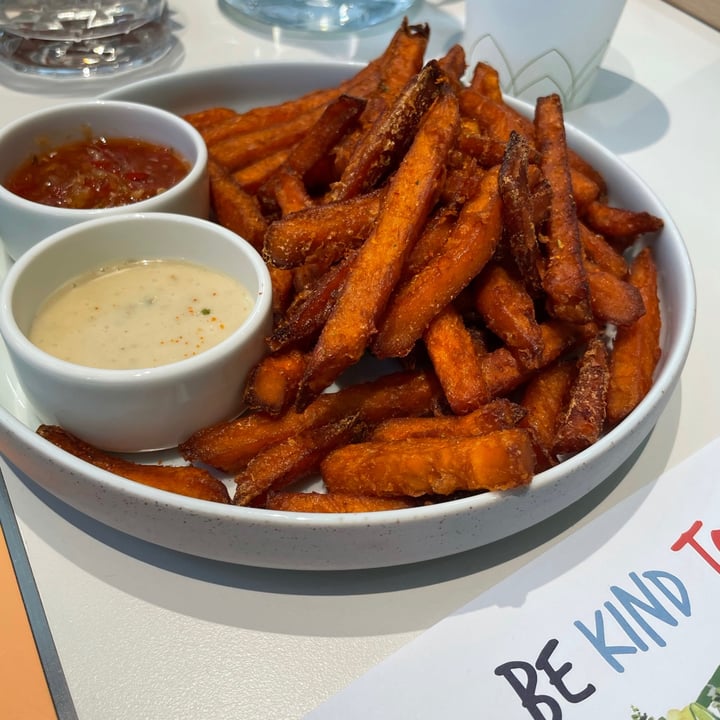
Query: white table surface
144,632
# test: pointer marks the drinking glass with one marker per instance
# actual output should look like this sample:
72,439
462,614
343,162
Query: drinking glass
82,37
318,15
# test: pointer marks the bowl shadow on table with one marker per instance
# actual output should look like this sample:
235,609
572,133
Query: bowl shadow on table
641,121
308,602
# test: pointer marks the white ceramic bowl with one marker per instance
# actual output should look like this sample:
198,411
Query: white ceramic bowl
263,538
24,222
149,408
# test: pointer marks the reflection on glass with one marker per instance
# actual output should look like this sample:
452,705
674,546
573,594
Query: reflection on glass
82,37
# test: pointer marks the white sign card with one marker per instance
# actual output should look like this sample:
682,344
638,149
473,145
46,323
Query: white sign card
619,620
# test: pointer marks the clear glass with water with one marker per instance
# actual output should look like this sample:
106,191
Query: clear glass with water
318,15
82,36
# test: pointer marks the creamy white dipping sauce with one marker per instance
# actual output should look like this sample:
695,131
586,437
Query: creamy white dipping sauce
140,314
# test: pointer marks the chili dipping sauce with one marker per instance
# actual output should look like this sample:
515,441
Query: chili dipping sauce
98,172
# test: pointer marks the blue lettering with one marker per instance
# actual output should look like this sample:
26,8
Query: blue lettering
630,604
597,640
632,607
680,601
625,625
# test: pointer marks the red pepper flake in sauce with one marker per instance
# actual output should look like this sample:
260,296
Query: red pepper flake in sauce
98,172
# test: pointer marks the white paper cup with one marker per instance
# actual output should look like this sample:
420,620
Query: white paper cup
541,47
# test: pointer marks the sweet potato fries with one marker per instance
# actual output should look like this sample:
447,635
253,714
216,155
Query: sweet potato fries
460,258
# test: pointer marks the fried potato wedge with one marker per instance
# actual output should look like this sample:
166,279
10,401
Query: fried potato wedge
462,180
636,348
612,299
620,225
498,120
584,417
307,159
485,80
234,208
600,252
502,371
181,479
272,384
380,149
231,445
404,59
262,117
517,212
361,84
544,398
291,459
499,414
236,151
454,64
209,117
495,119
584,190
283,289
487,150
467,250
447,339
252,177
286,191
303,320
421,466
432,239
377,268
509,311
293,239
564,279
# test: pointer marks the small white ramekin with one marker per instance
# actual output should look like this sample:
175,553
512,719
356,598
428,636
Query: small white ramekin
146,409
24,222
